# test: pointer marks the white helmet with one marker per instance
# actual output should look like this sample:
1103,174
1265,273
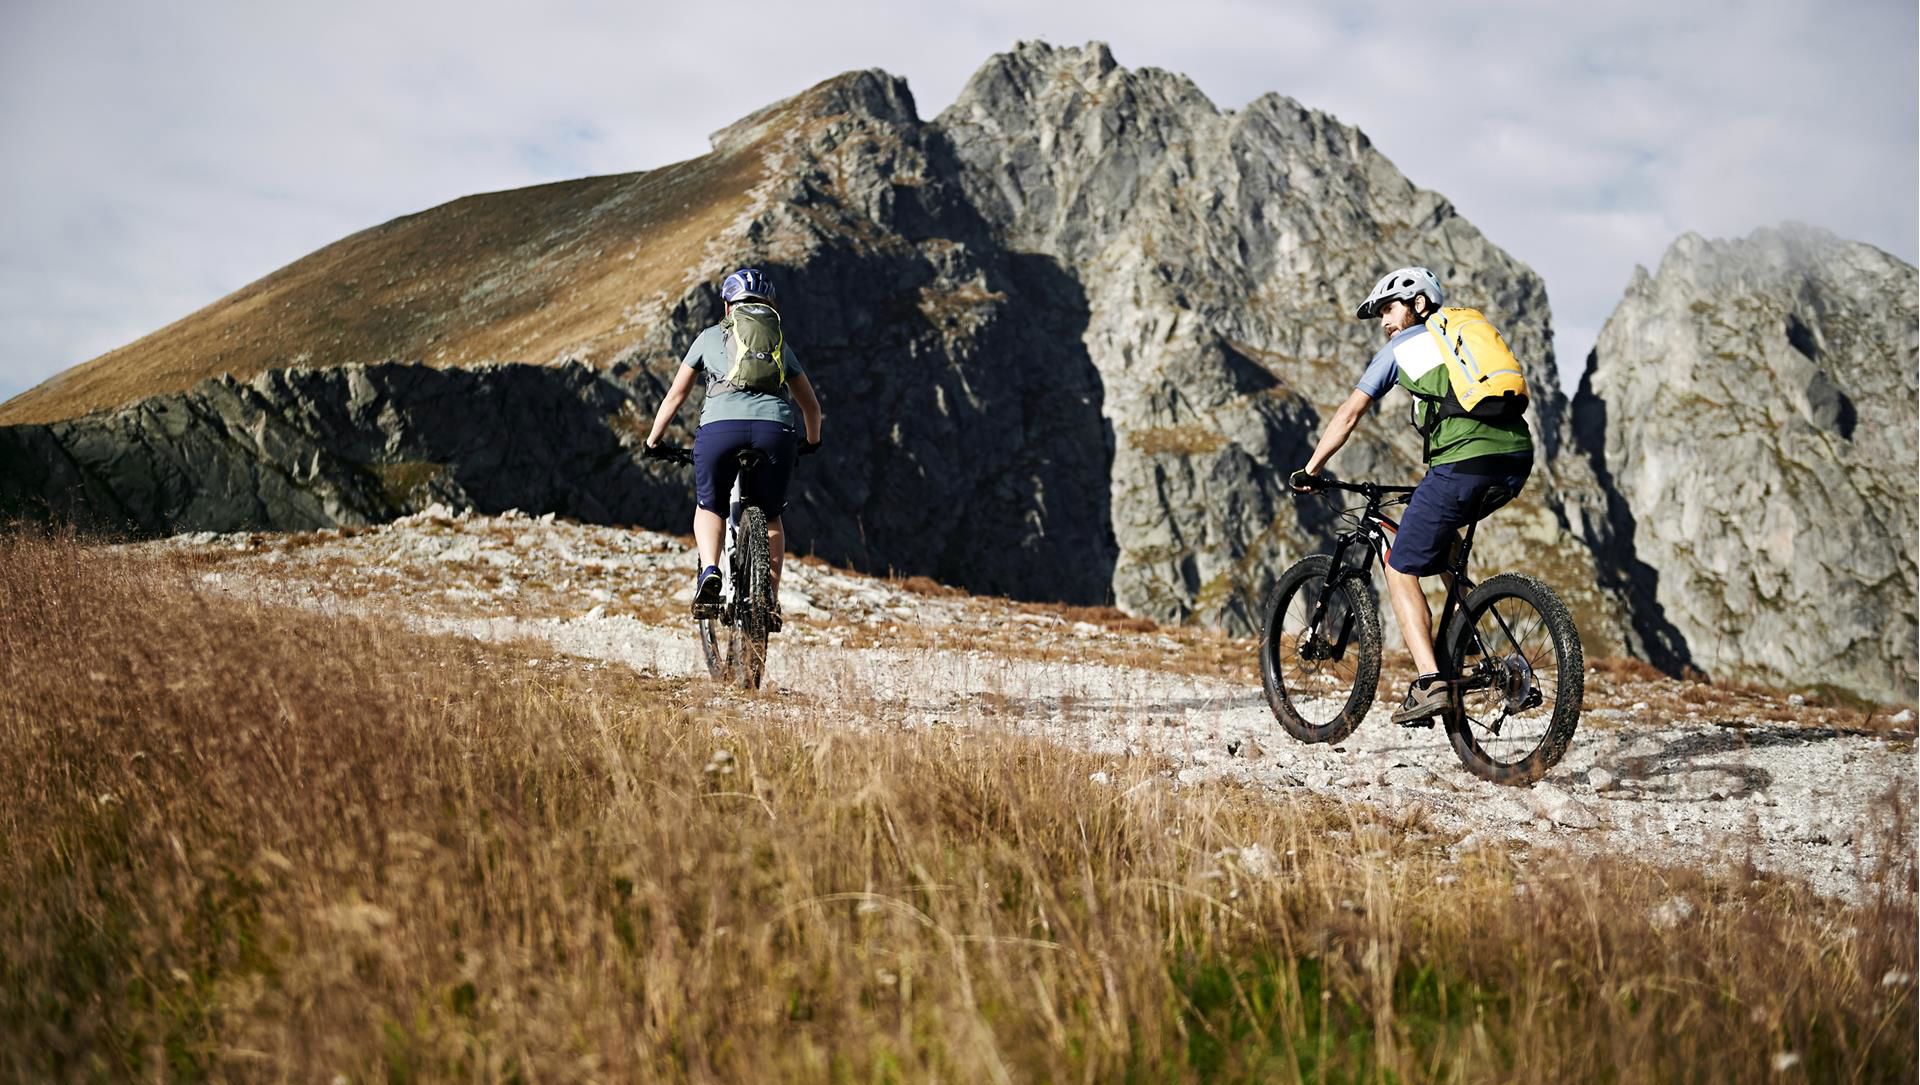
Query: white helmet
1402,284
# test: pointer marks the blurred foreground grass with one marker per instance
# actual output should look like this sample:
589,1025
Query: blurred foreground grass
242,843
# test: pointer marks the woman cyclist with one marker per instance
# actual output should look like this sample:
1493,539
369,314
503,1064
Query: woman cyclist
733,418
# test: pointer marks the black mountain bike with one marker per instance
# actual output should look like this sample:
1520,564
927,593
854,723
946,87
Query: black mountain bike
1508,647
746,605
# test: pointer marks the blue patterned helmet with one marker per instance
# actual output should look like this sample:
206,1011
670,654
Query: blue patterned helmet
748,282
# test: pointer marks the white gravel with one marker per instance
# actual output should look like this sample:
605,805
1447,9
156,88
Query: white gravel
1644,780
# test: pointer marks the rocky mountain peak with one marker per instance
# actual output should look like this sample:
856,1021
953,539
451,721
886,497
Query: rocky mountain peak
1752,404
871,93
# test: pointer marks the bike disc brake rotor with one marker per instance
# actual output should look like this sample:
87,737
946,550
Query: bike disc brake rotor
1518,683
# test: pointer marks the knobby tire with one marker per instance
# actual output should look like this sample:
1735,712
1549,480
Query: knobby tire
753,595
1320,700
1492,740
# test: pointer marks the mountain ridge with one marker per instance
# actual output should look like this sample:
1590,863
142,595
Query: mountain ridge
1070,334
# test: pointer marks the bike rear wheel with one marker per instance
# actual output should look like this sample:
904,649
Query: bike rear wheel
753,600
1522,679
1321,681
715,649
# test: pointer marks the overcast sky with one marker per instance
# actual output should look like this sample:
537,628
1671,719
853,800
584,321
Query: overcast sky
162,153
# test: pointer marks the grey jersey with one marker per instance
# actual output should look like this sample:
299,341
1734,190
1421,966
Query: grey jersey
726,403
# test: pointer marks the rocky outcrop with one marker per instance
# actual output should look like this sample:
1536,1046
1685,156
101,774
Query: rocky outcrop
1752,407
298,449
1222,253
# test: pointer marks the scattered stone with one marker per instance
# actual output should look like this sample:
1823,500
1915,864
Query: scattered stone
1407,776
1253,859
1100,777
1903,716
1785,1060
1471,844
1601,780
1554,805
1896,978
1671,913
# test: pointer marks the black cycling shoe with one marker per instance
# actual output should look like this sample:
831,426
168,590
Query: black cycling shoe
1427,697
706,594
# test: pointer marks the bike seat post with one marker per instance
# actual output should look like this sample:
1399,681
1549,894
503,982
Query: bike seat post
747,459
1466,548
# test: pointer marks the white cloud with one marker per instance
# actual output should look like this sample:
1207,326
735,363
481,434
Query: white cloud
170,155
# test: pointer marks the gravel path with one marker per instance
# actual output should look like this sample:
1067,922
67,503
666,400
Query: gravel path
1775,783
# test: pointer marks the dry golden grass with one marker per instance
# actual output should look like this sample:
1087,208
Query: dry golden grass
241,843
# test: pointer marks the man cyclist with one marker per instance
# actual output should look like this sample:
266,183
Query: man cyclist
1474,467
733,418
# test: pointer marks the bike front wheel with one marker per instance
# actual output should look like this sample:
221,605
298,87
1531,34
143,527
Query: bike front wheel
1522,679
717,654
1320,676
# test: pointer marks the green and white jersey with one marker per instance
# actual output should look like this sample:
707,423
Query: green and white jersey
1413,360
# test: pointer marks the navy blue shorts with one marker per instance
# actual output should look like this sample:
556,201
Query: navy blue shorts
1451,496
714,467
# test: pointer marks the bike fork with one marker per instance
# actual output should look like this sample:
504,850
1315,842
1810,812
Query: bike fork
1316,645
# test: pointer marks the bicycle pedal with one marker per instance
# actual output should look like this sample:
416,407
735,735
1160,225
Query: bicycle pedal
1424,721
710,610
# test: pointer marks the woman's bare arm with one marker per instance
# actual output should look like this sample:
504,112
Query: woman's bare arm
809,405
670,406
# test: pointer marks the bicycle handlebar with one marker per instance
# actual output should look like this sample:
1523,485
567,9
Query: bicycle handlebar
1369,489
677,454
670,453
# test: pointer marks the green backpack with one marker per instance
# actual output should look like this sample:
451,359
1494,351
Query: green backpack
753,346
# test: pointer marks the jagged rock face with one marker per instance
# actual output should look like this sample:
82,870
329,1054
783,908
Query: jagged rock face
300,449
1753,404
964,436
1222,254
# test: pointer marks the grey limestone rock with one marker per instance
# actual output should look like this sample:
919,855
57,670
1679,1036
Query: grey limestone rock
1752,407
1222,253
298,449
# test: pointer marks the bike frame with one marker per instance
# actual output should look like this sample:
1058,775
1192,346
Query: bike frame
747,459
1375,533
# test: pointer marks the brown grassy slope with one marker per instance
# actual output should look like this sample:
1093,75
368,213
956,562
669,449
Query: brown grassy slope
246,844
521,275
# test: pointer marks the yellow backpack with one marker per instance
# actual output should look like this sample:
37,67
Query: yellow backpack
1484,379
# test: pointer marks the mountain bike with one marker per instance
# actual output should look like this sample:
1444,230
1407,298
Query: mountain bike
746,607
1508,648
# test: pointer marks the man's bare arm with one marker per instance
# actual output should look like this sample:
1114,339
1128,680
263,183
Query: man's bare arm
1339,428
